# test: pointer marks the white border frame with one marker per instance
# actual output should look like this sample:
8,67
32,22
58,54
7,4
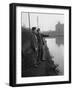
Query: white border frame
26,80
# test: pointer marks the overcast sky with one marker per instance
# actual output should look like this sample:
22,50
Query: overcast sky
45,21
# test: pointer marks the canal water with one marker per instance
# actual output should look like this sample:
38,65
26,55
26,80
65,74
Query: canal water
56,49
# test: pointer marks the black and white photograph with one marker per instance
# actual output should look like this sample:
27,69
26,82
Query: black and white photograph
40,45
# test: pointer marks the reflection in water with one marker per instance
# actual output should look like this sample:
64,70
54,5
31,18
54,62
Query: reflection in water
56,49
59,41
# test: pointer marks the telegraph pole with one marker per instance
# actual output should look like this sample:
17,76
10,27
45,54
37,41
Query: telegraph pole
29,20
37,22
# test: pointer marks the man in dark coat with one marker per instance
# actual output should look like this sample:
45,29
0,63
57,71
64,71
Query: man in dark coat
34,45
40,45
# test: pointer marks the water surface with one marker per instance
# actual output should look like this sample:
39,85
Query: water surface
56,48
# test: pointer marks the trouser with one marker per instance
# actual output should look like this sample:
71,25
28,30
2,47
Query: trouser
35,57
40,54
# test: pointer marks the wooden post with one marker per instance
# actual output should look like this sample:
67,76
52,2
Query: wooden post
29,20
37,22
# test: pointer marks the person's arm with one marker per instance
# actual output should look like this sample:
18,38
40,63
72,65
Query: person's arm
33,43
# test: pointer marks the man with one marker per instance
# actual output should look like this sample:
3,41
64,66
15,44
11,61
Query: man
40,45
34,46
